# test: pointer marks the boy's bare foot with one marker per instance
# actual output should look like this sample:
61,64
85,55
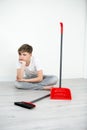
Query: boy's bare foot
48,87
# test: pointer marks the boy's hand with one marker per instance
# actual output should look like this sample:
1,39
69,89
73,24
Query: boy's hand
22,62
20,71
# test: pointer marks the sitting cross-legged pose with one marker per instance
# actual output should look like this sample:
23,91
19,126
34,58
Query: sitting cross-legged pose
29,71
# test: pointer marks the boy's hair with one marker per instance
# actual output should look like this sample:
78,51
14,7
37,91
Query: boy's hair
25,48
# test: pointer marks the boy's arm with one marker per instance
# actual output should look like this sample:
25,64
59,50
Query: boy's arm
39,78
20,71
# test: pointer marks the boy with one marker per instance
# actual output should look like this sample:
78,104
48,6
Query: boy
29,72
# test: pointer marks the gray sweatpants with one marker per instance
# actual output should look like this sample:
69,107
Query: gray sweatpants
47,81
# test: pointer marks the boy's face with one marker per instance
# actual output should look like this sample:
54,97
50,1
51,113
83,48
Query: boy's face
25,56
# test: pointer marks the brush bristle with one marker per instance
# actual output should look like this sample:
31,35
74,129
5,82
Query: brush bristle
25,104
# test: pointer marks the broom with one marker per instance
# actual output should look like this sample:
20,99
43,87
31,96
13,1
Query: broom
30,105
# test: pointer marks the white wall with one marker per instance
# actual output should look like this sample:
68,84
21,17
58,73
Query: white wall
85,46
37,22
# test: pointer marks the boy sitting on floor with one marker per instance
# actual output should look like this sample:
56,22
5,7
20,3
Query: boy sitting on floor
29,72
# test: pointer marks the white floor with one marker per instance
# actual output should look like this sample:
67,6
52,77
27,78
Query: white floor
48,114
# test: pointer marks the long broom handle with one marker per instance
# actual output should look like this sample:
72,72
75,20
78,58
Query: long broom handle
38,99
61,46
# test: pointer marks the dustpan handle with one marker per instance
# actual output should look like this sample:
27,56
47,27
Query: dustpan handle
61,46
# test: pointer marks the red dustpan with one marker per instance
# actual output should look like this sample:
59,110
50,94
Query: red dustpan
59,92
